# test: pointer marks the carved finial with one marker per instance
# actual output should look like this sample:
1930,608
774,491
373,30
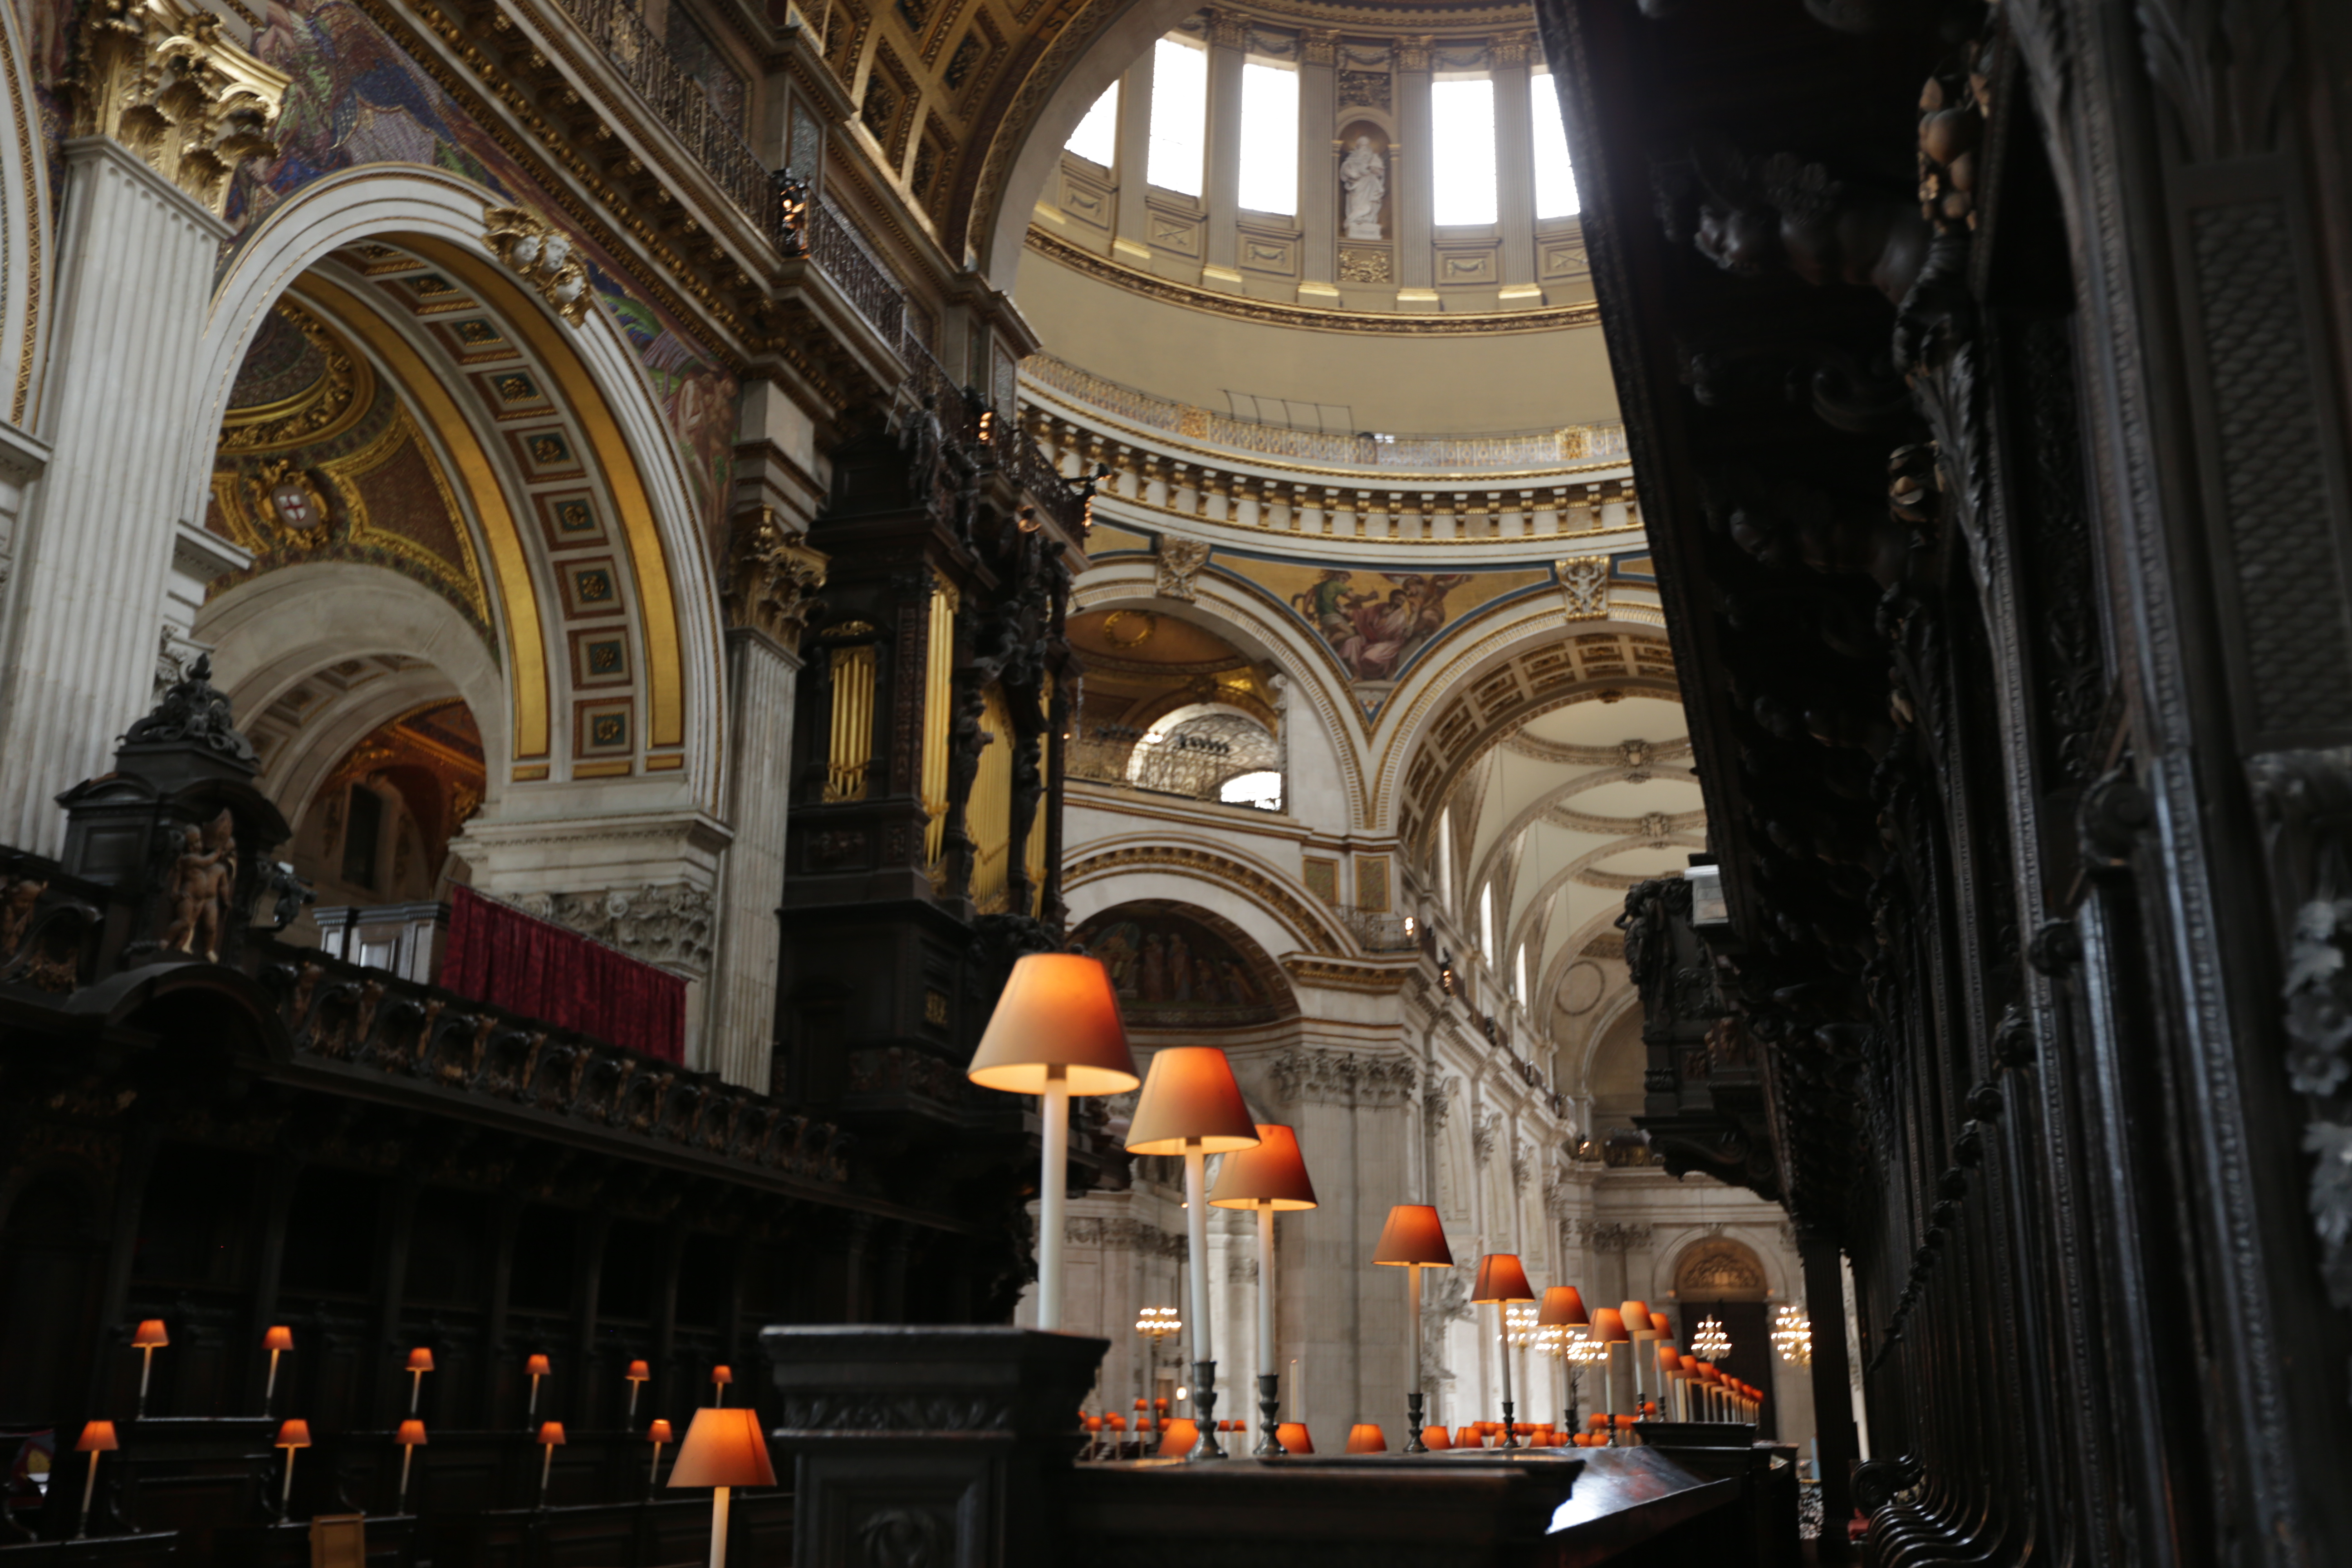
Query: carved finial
191,712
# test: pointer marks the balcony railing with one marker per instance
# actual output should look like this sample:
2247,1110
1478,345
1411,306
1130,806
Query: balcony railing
806,225
678,99
1381,930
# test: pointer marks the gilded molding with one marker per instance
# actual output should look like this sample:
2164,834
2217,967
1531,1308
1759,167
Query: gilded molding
1271,312
542,256
156,76
1200,863
1329,976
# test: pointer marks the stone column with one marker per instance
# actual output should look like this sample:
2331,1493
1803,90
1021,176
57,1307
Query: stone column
1318,166
761,678
1228,35
1515,171
135,250
1411,179
1132,241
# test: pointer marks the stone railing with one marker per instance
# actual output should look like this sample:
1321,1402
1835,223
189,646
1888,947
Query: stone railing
621,35
1573,446
1381,930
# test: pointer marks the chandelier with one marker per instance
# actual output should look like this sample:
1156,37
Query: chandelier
1520,1322
1583,1348
1710,1343
1792,1335
1157,1322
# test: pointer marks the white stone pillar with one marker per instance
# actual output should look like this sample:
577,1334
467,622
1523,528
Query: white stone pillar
1132,241
761,678
1221,254
1515,171
1411,177
134,271
1318,166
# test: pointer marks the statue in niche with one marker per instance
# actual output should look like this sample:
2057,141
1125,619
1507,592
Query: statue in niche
1364,174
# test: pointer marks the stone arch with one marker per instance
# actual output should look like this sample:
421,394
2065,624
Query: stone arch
1275,909
599,403
1265,977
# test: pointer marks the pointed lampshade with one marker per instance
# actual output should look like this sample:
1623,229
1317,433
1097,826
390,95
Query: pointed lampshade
411,1435
1413,1235
293,1434
278,1338
1271,1175
1635,1315
1500,1278
420,1360
150,1335
1057,1011
1190,1100
1659,1322
724,1447
97,1437
1563,1308
1608,1326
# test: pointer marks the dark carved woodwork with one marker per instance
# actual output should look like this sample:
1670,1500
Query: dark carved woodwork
2021,705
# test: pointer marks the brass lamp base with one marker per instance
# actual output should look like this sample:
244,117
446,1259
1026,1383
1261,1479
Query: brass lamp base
1413,1443
1205,1411
1269,1415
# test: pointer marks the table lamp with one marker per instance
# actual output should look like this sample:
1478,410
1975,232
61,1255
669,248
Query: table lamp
1294,1439
1562,1310
149,1338
658,1434
723,1449
420,1361
1055,1033
1192,1106
410,1437
1609,1332
1182,1435
550,1437
291,1435
1414,1239
639,1374
1365,1437
1269,1178
1502,1280
1641,1336
97,1437
277,1341
536,1367
720,1376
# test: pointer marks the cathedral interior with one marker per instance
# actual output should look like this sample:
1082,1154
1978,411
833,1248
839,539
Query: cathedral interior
1413,783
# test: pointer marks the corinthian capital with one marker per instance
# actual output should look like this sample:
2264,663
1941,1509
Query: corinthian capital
157,76
772,579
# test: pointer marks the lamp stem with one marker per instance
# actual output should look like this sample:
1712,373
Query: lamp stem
718,1527
1053,1194
88,1485
533,1412
146,1371
546,1466
286,1493
634,1386
407,1452
1269,1367
1503,1320
1196,1270
269,1390
653,1472
1413,1443
415,1388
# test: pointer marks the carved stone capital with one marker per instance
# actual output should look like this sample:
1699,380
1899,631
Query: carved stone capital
1312,1074
671,926
772,579
156,76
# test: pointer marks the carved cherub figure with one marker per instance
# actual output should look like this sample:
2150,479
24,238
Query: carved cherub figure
16,911
202,887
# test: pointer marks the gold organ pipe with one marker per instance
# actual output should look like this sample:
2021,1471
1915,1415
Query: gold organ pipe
989,815
852,755
1034,857
939,681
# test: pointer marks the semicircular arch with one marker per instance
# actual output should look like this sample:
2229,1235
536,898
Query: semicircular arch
1146,1006
1278,911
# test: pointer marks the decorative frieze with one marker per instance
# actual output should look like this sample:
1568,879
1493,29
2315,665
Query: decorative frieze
1123,1235
669,925
1309,1074
157,76
1612,1235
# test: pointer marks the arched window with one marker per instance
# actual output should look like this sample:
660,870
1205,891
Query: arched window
1180,115
1555,175
1269,138
1097,137
1445,856
1462,149
1520,974
1486,919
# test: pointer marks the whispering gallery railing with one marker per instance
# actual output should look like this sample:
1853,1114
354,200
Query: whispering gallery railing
678,99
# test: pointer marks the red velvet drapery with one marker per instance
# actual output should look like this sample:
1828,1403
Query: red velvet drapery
498,955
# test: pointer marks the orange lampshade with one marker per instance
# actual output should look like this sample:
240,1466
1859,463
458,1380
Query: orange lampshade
1271,1175
411,1435
1637,1316
278,1339
1294,1438
1436,1437
1364,1437
1608,1326
420,1360
97,1437
1689,1362
1669,1358
1500,1278
1471,1436
1094,1423
536,1366
550,1434
1190,1100
1178,1436
293,1434
1057,1011
150,1335
1708,1372
658,1432
724,1447
1658,1322
1562,1308
1160,1405
640,1373
1413,1235
722,1374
